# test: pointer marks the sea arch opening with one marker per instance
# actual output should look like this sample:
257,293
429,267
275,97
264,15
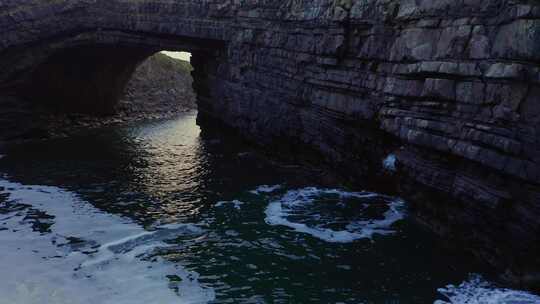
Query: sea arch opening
88,73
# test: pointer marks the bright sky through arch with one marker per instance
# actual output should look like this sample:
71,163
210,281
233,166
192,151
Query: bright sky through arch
179,55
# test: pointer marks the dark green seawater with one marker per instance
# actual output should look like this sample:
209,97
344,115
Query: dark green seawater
160,212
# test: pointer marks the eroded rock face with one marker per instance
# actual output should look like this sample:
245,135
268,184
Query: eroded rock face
451,87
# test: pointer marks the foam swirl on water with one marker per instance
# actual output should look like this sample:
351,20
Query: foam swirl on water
74,253
334,215
478,291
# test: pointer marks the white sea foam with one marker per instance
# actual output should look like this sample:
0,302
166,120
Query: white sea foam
389,163
111,260
478,291
301,201
266,189
236,204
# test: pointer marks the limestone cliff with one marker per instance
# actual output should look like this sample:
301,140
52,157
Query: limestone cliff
452,87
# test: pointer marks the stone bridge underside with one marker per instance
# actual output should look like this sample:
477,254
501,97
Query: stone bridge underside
451,87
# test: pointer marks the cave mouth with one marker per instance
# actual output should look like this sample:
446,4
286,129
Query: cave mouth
94,79
89,86
88,79
59,89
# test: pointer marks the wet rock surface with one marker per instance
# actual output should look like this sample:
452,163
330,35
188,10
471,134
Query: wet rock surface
450,87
